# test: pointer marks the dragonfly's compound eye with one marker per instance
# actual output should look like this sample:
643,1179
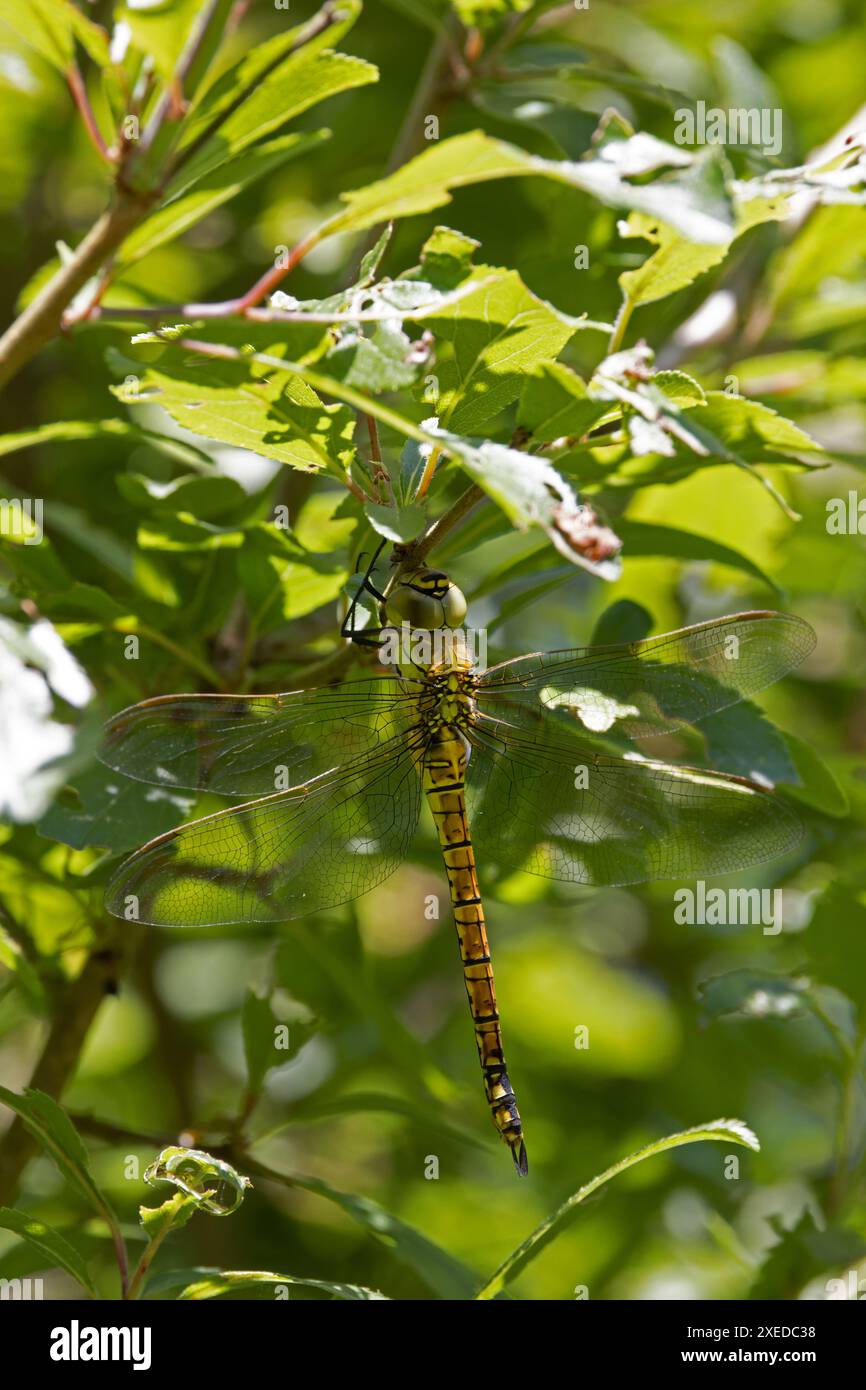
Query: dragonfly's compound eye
419,610
428,600
454,606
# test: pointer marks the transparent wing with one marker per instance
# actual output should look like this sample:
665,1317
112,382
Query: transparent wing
553,805
651,686
283,856
252,745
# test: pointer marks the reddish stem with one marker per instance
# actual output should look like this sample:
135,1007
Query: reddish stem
82,101
269,281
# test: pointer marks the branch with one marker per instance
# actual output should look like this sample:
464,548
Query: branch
75,1008
420,549
219,309
42,319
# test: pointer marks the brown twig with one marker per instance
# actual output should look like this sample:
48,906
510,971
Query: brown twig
171,99
273,277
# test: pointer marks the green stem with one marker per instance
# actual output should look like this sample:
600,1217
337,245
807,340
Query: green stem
626,309
146,1261
444,524
839,1182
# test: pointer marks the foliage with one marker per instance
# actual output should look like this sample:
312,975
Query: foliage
441,274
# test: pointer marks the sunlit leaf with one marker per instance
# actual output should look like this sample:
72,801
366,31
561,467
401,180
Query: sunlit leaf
50,1243
721,1131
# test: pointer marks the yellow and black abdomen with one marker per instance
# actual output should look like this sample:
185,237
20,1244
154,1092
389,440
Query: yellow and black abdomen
444,771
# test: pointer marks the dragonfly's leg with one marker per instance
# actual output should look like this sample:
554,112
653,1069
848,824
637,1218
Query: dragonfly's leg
444,771
348,628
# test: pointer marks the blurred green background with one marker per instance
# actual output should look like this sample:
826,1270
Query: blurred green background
388,1076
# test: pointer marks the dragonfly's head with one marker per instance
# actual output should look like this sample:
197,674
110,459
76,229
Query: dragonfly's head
426,599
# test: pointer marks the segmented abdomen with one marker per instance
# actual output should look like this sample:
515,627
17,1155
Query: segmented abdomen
443,774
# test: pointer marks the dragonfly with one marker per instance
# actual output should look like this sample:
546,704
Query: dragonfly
541,763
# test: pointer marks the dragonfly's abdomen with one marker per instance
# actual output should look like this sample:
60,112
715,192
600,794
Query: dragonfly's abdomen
444,773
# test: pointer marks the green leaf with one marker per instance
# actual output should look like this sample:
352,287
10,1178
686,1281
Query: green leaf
814,784
379,361
555,404
214,1186
446,258
698,207
63,431
282,417
52,27
202,497
529,489
485,13
754,993
498,333
679,258
680,388
102,808
804,1253
753,431
398,524
263,1038
648,538
49,1242
186,533
264,91
741,740
677,261
441,1272
189,206
623,621
531,493
232,1281
283,581
52,1128
720,1131
113,552
229,90
836,942
13,959
721,426
160,30
158,1222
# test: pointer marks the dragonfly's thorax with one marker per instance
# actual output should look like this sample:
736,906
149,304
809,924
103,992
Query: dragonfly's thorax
447,700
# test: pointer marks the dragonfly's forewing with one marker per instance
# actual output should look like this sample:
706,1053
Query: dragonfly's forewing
282,856
550,803
651,686
238,745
